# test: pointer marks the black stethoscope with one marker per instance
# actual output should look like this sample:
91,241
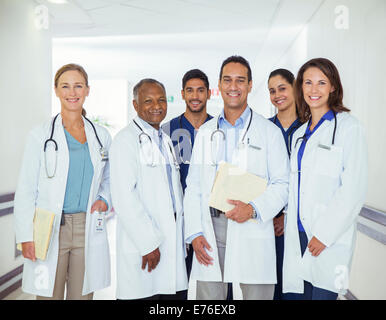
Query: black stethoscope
152,163
308,125
290,132
103,152
222,133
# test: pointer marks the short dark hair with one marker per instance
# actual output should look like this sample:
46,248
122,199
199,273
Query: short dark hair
195,74
237,59
286,74
335,99
141,83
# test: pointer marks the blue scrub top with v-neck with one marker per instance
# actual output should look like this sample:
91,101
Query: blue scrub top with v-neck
80,174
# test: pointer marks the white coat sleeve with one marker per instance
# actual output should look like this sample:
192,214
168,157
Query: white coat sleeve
126,200
192,198
349,198
276,195
104,188
27,189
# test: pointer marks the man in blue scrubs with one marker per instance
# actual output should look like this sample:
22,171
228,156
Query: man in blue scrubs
182,129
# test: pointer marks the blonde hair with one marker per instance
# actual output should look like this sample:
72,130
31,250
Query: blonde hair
71,67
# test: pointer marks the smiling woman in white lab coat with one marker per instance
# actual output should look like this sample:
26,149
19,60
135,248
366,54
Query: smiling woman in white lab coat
328,184
73,183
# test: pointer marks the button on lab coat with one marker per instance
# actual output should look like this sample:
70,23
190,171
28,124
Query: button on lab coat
141,198
333,188
250,247
35,189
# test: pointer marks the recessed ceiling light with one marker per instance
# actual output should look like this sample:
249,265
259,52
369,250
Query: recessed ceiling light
58,1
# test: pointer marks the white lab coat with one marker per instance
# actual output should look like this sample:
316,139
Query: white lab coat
36,190
144,207
332,192
250,247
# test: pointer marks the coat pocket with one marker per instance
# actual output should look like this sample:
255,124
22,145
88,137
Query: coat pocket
329,160
256,160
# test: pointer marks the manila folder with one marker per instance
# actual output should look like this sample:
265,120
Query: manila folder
43,222
233,183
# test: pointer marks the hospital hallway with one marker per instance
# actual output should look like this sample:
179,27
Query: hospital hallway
120,42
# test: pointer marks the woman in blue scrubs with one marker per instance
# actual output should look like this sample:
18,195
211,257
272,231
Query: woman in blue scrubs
280,86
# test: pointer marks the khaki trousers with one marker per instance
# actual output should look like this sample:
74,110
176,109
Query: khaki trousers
210,290
70,268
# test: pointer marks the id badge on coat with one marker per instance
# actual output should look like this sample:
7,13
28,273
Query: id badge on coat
100,222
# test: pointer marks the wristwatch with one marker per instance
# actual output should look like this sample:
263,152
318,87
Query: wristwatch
254,214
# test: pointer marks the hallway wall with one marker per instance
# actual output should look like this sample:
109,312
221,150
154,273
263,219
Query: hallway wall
25,90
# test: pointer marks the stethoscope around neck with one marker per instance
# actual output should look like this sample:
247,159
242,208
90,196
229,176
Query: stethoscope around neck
152,163
289,134
308,125
103,152
220,132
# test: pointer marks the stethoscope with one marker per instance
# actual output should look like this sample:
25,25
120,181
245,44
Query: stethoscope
220,132
143,135
290,132
308,125
103,152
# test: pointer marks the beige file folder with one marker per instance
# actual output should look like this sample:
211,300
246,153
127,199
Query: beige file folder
43,222
234,183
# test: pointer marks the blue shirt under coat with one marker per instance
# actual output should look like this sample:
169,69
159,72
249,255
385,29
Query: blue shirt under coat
287,133
187,131
329,115
157,137
232,138
80,175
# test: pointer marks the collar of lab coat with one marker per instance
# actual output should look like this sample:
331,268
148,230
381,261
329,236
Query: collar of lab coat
94,147
150,130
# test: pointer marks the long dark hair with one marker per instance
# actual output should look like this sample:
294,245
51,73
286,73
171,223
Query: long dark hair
335,99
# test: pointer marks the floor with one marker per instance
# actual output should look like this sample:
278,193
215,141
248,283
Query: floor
109,293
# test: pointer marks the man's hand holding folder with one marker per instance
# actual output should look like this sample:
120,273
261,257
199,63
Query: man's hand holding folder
232,191
241,212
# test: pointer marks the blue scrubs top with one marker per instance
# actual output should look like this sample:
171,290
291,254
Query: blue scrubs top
287,134
329,115
80,174
187,130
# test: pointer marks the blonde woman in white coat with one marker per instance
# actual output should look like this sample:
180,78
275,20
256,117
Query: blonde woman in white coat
73,183
328,184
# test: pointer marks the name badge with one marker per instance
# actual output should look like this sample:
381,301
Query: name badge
324,146
254,147
104,154
100,222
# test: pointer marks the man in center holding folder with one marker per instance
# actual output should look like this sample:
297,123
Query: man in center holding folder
237,245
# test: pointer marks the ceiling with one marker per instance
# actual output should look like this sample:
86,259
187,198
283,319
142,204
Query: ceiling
79,18
134,36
